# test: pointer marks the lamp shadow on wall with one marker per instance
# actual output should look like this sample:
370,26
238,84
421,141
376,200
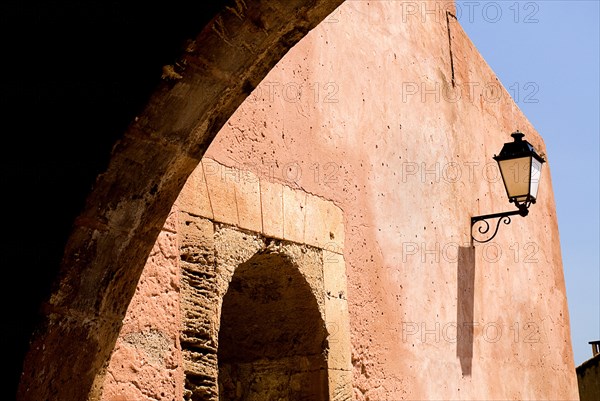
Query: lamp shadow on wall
464,307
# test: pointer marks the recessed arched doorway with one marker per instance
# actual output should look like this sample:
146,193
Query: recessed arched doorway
260,316
272,337
263,306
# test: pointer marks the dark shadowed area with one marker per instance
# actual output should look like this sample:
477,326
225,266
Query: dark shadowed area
78,72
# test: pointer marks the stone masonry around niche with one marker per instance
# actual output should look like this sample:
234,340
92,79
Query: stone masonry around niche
263,290
243,297
242,199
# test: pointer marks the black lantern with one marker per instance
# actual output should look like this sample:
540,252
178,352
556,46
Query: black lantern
521,168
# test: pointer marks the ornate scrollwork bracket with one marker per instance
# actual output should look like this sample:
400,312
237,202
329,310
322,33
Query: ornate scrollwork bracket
484,228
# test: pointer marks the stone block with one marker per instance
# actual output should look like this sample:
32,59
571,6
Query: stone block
196,238
324,224
194,198
247,195
232,247
294,212
334,275
338,327
221,192
310,264
340,385
271,194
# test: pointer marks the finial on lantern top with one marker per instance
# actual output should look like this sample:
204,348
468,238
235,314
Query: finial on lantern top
517,135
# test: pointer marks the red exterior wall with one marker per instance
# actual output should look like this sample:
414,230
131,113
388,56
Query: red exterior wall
379,112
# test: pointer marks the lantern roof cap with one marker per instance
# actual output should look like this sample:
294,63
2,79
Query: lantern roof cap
518,148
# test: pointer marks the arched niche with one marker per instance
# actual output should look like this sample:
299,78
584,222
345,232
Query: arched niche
272,336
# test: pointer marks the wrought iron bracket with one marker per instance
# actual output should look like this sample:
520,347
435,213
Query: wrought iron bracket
484,228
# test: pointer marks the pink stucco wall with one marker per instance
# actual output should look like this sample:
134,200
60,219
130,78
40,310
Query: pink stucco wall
363,112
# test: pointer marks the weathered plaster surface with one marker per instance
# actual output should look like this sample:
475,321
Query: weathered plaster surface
339,118
400,139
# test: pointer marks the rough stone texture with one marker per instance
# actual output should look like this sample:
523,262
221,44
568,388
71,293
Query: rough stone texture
262,299
272,328
123,214
334,275
146,361
247,195
281,333
394,117
258,307
199,302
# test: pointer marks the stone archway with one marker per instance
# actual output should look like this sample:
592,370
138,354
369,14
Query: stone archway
113,235
272,336
259,318
296,276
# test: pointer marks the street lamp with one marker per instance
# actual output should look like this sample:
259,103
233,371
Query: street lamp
520,166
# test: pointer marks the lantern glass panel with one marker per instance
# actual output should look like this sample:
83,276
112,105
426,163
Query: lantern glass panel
516,174
536,171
